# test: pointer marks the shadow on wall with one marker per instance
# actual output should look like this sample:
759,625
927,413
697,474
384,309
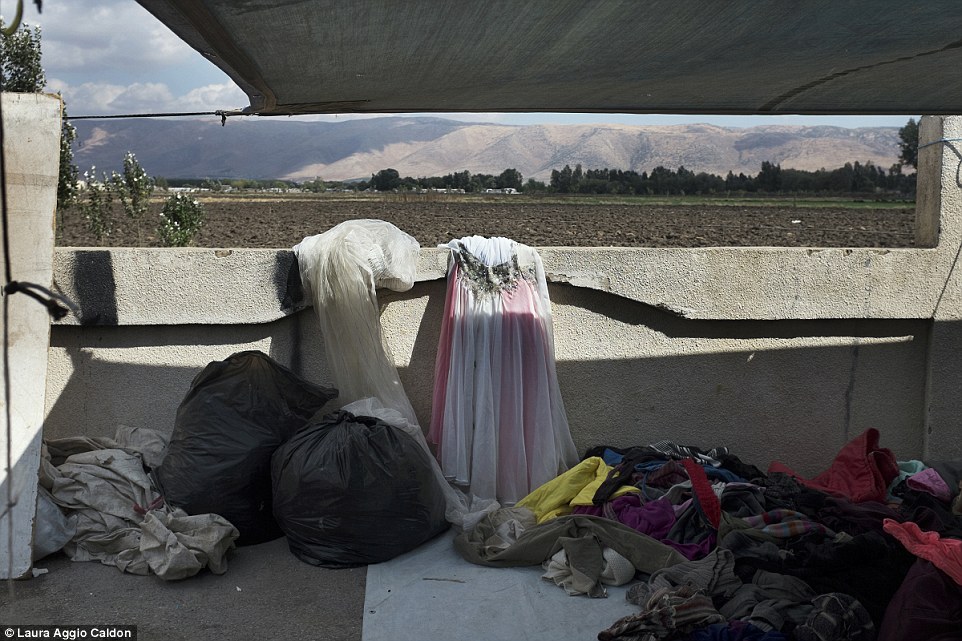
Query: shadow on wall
149,369
135,376
794,390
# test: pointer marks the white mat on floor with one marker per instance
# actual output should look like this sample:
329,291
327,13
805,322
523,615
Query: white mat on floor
432,594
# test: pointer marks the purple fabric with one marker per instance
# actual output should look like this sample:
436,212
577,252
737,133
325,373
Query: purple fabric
930,481
927,606
590,510
654,518
693,551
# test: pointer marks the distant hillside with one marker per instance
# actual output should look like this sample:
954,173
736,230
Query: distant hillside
355,149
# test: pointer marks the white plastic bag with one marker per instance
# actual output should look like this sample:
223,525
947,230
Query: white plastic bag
52,528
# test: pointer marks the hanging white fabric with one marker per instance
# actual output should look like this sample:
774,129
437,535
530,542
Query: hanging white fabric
340,270
498,418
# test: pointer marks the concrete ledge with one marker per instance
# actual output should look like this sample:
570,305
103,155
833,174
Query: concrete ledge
132,286
242,286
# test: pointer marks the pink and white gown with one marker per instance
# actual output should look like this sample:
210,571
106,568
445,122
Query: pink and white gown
498,418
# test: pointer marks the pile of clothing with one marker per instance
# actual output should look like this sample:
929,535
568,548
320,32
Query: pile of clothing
869,549
111,511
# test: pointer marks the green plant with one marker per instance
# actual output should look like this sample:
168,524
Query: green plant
180,220
133,188
909,144
69,174
20,69
95,205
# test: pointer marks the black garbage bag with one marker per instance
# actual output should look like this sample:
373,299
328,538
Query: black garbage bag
351,490
236,413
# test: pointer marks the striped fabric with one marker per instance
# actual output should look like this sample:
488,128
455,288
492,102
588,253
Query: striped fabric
668,614
673,450
784,524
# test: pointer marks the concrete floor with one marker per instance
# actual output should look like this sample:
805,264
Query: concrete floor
428,594
279,597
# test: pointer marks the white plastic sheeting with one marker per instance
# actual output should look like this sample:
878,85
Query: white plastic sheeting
432,594
341,270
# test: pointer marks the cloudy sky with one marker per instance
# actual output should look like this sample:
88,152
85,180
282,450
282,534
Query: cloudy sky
113,57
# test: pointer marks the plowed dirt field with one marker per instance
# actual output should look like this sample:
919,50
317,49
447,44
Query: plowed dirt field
282,221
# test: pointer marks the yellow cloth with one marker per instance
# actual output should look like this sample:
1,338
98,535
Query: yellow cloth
575,487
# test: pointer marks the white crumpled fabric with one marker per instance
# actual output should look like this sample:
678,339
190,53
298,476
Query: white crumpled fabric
617,571
505,527
176,545
119,518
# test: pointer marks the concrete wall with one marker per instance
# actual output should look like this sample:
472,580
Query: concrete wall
777,353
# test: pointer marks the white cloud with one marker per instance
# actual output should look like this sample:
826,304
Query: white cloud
142,98
103,98
104,36
217,96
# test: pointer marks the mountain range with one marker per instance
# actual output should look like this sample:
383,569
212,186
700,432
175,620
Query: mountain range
428,146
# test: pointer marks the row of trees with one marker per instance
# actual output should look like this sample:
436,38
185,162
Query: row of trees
390,180
243,184
852,178
181,217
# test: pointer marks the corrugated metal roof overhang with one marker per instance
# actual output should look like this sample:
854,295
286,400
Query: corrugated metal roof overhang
627,56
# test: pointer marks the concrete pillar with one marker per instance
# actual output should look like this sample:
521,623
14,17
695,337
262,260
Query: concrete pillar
31,147
928,195
939,208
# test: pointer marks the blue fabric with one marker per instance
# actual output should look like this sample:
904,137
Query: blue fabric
714,473
735,631
906,469
611,457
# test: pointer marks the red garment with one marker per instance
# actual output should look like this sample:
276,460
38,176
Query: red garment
701,487
860,472
945,554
